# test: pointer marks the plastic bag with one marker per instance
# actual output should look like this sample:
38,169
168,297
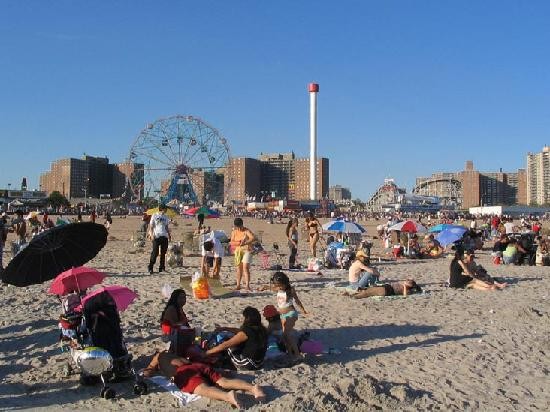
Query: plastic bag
166,291
201,289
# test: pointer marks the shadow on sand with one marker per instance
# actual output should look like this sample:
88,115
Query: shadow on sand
346,338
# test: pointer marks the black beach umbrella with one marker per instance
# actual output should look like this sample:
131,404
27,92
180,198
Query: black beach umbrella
54,251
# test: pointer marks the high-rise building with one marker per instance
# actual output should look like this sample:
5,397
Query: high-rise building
538,177
66,176
277,173
339,193
242,179
280,174
87,177
301,179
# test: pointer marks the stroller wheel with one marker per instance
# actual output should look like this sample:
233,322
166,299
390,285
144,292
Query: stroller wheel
140,388
107,393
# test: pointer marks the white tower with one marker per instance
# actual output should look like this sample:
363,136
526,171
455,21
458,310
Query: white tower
313,90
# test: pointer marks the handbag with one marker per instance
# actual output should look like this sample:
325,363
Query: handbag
180,340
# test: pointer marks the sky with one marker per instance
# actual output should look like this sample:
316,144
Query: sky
407,88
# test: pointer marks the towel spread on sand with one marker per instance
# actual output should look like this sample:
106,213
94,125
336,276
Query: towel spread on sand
183,398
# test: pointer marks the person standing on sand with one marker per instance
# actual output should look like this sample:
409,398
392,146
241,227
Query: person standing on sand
3,236
292,236
313,227
159,233
241,241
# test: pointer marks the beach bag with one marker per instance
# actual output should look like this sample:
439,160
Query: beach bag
181,339
313,347
200,287
314,265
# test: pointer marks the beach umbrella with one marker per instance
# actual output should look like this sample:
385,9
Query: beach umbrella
451,235
409,226
443,226
203,210
121,295
75,279
171,213
343,226
53,251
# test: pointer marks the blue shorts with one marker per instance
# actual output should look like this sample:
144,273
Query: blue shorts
290,314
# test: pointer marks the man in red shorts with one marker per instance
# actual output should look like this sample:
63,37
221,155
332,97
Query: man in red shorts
200,379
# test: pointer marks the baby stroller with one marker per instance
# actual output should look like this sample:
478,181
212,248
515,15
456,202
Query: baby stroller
96,346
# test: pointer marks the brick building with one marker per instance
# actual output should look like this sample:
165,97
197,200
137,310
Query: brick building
280,174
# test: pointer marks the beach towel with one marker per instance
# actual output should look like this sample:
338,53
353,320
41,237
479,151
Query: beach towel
183,398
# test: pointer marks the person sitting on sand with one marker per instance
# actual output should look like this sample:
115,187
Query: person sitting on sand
413,247
274,324
462,277
478,271
247,348
361,274
433,247
275,344
401,288
200,379
512,252
173,315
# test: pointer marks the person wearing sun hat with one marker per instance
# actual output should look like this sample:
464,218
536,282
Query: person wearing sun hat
361,274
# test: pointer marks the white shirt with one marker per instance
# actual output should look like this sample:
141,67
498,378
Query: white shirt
509,227
217,251
159,223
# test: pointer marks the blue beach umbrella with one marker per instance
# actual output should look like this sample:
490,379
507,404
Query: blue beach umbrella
450,235
343,226
444,226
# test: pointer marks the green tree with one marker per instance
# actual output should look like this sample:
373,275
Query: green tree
56,200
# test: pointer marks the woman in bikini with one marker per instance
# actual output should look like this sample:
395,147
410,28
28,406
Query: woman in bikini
313,226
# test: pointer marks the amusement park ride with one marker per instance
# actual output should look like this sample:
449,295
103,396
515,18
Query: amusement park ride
180,160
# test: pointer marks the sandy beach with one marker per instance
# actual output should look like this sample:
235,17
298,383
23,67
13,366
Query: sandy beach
443,349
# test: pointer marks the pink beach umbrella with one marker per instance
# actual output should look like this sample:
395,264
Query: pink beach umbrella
75,279
121,295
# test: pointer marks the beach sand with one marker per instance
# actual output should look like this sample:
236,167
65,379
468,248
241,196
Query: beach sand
444,349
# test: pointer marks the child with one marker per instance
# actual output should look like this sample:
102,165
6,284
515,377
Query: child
286,298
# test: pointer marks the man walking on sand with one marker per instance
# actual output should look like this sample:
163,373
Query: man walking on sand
241,241
159,233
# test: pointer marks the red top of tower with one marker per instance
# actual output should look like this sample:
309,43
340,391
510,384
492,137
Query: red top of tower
313,88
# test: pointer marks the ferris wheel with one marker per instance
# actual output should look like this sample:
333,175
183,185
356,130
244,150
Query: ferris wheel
178,159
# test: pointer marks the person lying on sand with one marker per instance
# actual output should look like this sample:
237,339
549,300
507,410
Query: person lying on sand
401,288
200,379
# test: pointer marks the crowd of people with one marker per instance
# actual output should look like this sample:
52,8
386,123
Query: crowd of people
194,365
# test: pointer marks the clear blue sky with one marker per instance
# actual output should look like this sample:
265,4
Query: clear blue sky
407,88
